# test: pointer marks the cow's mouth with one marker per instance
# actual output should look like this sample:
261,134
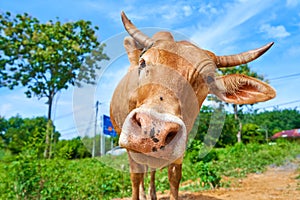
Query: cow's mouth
148,160
152,138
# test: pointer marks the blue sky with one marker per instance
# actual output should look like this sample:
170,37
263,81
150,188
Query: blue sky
224,27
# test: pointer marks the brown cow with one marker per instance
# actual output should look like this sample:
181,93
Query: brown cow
155,105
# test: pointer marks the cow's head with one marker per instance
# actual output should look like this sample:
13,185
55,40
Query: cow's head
156,103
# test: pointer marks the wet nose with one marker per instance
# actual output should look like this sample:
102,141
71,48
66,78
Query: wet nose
152,133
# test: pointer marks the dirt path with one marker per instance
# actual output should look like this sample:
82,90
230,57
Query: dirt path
277,183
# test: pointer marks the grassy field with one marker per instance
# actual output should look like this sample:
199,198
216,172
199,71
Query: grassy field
29,178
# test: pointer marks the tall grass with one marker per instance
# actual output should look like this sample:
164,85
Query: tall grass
30,178
239,160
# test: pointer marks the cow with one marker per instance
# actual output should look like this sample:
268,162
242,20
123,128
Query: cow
155,105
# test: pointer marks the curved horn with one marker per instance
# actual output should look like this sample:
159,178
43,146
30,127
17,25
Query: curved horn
241,58
137,35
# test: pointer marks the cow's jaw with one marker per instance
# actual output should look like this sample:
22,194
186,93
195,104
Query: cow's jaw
153,138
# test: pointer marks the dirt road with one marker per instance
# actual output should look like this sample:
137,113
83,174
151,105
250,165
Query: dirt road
277,183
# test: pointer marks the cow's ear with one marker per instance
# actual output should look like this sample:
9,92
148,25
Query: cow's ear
133,50
241,89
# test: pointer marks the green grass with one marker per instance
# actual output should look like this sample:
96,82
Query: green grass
240,160
61,179
30,178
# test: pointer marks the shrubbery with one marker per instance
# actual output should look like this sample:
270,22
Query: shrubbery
242,159
28,177
24,174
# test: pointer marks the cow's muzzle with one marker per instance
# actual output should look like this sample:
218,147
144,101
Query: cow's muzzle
148,134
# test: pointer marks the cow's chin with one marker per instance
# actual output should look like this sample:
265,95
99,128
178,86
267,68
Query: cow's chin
150,161
160,158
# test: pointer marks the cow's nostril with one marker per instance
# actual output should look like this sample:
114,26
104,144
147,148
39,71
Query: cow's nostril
170,137
136,120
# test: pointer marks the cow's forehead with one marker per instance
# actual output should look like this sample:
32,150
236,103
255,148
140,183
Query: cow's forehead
197,57
191,62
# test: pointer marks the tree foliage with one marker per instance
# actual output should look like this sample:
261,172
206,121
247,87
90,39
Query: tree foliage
252,133
22,134
274,121
71,149
17,131
46,58
229,127
257,125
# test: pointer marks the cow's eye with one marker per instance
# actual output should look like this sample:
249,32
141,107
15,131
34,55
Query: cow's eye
210,79
142,63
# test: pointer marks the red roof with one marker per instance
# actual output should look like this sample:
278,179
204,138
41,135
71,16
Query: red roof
294,133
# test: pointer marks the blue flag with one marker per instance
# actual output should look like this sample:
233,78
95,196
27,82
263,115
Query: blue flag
108,128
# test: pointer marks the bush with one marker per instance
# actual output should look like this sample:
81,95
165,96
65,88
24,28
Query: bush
251,133
29,177
24,178
242,159
71,149
197,152
209,177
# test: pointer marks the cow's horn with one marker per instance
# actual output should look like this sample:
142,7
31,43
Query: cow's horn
140,37
241,58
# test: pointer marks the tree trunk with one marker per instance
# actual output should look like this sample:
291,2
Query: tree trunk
236,116
51,132
49,128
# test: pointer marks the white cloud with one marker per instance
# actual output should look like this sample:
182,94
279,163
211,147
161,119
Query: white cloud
274,31
207,9
168,15
222,29
165,13
292,3
171,13
187,10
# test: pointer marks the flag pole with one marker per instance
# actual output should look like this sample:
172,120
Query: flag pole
102,138
95,131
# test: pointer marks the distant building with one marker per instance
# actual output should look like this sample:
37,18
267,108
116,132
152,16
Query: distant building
290,134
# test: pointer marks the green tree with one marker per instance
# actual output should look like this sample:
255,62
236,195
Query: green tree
242,69
204,119
276,120
19,131
252,133
2,131
227,137
47,57
71,149
3,125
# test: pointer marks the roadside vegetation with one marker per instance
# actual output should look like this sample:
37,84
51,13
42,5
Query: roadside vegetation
72,173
